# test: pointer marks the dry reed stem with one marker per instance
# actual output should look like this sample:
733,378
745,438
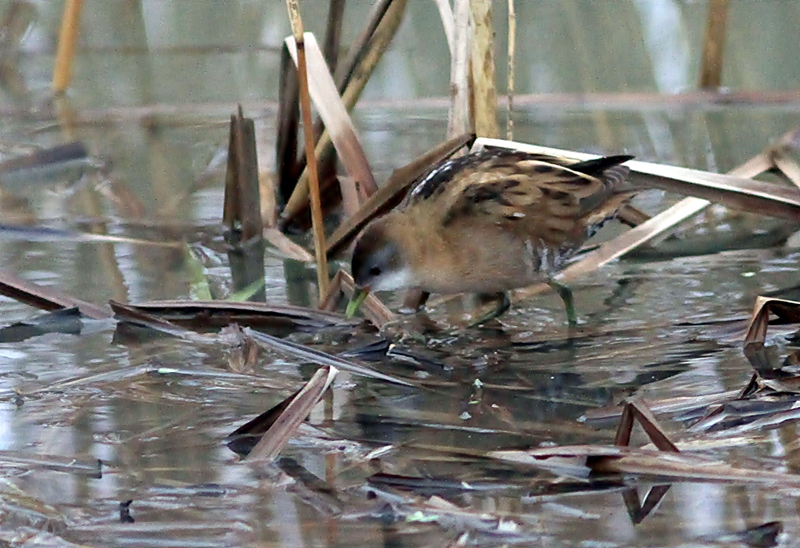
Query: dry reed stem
484,89
242,190
512,44
305,107
714,46
333,33
356,51
339,128
287,247
458,118
267,193
368,60
62,72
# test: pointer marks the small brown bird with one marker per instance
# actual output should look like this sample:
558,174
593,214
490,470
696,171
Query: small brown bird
489,222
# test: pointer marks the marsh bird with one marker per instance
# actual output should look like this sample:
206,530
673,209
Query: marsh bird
489,222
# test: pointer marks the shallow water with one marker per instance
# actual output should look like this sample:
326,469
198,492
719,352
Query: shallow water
155,83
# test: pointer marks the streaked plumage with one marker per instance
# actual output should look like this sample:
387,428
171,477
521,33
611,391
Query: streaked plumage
489,222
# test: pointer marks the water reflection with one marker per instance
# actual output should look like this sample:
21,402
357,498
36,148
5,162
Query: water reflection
155,82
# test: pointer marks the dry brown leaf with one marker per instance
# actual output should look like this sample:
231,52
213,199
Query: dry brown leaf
290,419
332,110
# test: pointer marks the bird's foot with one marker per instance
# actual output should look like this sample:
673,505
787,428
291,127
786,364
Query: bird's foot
569,304
503,304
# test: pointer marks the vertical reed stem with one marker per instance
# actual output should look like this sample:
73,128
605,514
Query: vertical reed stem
484,86
458,117
311,161
62,72
714,46
512,44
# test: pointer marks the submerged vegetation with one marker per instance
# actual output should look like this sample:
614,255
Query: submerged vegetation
191,380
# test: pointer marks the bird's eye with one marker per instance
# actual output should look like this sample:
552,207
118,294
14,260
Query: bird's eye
375,271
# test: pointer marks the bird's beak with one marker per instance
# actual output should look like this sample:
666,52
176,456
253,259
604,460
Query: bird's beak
358,297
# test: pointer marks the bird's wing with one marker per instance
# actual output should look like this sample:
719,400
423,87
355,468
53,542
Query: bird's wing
535,196
441,178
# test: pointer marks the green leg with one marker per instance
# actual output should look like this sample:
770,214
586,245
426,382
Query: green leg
503,304
566,295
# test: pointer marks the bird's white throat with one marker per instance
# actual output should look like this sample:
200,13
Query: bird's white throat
397,279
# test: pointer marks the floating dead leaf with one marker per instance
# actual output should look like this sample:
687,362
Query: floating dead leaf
635,409
584,460
280,423
65,320
84,466
786,311
46,298
217,314
680,404
127,314
761,536
755,349
44,164
754,418
318,356
427,486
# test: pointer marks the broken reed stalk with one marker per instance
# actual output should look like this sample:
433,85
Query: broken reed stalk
62,72
242,191
512,43
484,89
311,161
714,46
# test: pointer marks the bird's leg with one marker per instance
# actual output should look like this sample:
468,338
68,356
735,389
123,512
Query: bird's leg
503,304
566,295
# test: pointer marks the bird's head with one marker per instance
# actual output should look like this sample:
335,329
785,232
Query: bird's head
378,263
